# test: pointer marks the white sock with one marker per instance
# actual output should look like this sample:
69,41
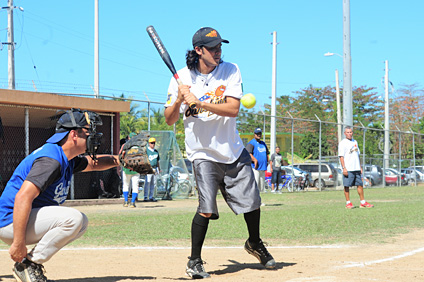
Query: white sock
363,202
347,202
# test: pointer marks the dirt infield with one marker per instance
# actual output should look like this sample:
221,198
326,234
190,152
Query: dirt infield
400,260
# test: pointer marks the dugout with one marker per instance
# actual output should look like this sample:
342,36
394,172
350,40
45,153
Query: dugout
28,119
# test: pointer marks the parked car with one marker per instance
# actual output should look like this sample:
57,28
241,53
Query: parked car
328,173
420,171
403,180
411,175
390,178
374,173
339,176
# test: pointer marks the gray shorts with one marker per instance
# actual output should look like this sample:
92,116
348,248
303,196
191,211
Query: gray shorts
236,182
354,178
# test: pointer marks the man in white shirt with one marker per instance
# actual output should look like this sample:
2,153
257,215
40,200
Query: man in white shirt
213,145
352,171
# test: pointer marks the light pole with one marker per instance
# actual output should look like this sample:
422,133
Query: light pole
339,115
96,48
274,91
347,67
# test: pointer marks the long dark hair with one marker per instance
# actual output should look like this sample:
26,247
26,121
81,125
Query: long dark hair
191,59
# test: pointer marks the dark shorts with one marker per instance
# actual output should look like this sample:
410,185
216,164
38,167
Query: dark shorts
276,177
235,181
353,179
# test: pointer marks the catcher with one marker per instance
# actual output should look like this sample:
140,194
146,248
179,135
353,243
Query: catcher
29,206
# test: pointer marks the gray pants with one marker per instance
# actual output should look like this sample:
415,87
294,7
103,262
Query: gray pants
260,179
50,228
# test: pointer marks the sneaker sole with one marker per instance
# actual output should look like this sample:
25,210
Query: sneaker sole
365,207
195,275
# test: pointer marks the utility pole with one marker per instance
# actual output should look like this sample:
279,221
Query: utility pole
274,90
11,45
347,67
339,115
96,48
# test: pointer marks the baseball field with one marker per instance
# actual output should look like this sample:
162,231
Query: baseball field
310,234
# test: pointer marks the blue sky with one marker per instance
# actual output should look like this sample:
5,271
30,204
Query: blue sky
57,37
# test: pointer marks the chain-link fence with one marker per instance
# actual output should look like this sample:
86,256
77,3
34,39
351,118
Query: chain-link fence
301,141
316,141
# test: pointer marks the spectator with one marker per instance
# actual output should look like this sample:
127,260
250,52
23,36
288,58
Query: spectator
260,156
352,170
130,178
150,180
275,165
30,211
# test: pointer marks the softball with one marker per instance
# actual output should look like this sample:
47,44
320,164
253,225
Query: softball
248,100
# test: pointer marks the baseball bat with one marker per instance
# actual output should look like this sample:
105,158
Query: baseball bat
164,55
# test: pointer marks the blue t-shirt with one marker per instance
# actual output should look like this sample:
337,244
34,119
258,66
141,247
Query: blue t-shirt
53,195
260,151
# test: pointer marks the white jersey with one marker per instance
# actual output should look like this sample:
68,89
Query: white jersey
349,150
207,135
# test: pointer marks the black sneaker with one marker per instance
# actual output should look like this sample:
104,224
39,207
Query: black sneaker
29,271
196,270
261,253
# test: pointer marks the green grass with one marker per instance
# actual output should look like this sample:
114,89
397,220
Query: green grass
306,218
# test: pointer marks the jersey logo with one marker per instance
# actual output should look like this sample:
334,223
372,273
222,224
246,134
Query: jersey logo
215,97
61,193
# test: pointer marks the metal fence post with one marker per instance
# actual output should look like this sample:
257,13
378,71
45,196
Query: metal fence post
363,148
400,157
292,150
413,154
319,157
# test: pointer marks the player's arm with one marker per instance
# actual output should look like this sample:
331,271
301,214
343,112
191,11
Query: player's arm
342,162
250,148
172,113
228,109
21,212
270,165
103,162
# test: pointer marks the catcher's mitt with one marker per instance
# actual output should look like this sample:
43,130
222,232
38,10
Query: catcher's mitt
133,154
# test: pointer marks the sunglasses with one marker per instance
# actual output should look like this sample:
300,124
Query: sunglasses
152,142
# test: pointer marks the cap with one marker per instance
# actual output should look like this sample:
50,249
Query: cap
207,36
258,130
151,140
132,134
70,120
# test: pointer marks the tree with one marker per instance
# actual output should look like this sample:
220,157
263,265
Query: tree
309,145
131,121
